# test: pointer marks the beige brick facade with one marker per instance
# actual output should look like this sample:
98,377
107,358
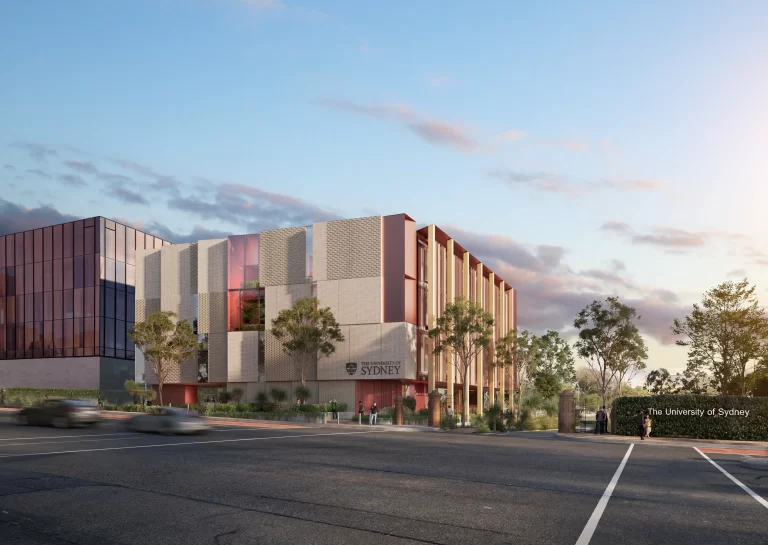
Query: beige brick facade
218,348
343,391
353,248
320,251
243,356
282,256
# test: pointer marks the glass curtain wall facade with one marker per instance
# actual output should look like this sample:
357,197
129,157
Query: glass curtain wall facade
68,290
246,296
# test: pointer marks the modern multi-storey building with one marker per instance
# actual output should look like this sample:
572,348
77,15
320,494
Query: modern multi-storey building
385,281
67,305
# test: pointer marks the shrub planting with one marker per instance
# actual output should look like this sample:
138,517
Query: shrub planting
696,416
26,397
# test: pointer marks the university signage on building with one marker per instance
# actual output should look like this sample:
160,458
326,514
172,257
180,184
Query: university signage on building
375,368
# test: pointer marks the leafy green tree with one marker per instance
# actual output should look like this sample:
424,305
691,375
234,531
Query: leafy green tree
307,333
555,366
660,381
527,354
607,334
504,356
466,328
166,343
724,334
277,395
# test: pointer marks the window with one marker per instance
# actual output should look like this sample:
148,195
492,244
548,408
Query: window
78,238
68,273
422,288
236,262
29,278
58,275
10,281
77,334
47,275
88,271
2,281
130,246
58,305
120,305
58,242
2,253
69,304
110,238
19,255
109,303
38,306
78,271
120,243
78,306
29,243
120,275
38,245
119,335
89,307
68,239
109,334
89,240
48,305
48,244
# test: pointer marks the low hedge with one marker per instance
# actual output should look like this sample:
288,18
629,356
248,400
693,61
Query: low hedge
26,397
709,422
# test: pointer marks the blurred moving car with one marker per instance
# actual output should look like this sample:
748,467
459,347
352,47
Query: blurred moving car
169,421
61,413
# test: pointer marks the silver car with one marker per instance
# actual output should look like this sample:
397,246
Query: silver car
168,421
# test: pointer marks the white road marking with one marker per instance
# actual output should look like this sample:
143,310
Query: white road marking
589,529
746,489
62,436
184,443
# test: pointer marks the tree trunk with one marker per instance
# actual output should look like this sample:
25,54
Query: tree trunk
465,404
160,392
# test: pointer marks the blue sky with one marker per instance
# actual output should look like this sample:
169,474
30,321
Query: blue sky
584,150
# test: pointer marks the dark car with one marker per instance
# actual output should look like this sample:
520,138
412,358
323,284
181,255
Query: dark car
61,413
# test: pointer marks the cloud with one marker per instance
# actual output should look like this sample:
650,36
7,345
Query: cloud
254,208
431,130
737,273
126,195
84,167
40,173
550,293
38,152
161,182
576,145
15,218
9,167
672,239
157,229
618,265
549,182
72,179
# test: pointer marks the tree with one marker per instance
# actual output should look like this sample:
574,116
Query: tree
137,390
527,355
302,393
166,343
724,333
555,364
660,381
504,357
307,333
607,334
237,394
630,361
466,328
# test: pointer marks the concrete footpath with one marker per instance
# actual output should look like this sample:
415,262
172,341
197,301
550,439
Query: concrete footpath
758,448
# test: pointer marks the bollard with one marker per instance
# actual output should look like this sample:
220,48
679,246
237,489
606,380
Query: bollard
566,417
398,411
435,402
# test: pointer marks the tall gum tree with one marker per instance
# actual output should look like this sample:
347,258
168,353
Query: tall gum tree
607,333
307,333
166,343
467,329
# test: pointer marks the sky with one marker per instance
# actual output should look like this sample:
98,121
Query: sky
582,150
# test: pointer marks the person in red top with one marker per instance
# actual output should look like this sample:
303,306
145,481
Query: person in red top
374,412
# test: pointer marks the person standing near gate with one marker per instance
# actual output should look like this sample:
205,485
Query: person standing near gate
605,420
640,423
334,410
600,420
359,413
374,412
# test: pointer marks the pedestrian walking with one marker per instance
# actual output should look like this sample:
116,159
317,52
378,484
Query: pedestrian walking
374,412
647,426
449,412
599,419
640,423
359,413
334,410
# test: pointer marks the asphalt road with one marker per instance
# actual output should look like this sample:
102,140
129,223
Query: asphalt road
340,485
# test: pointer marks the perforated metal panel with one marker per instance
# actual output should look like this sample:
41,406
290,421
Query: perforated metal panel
353,248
